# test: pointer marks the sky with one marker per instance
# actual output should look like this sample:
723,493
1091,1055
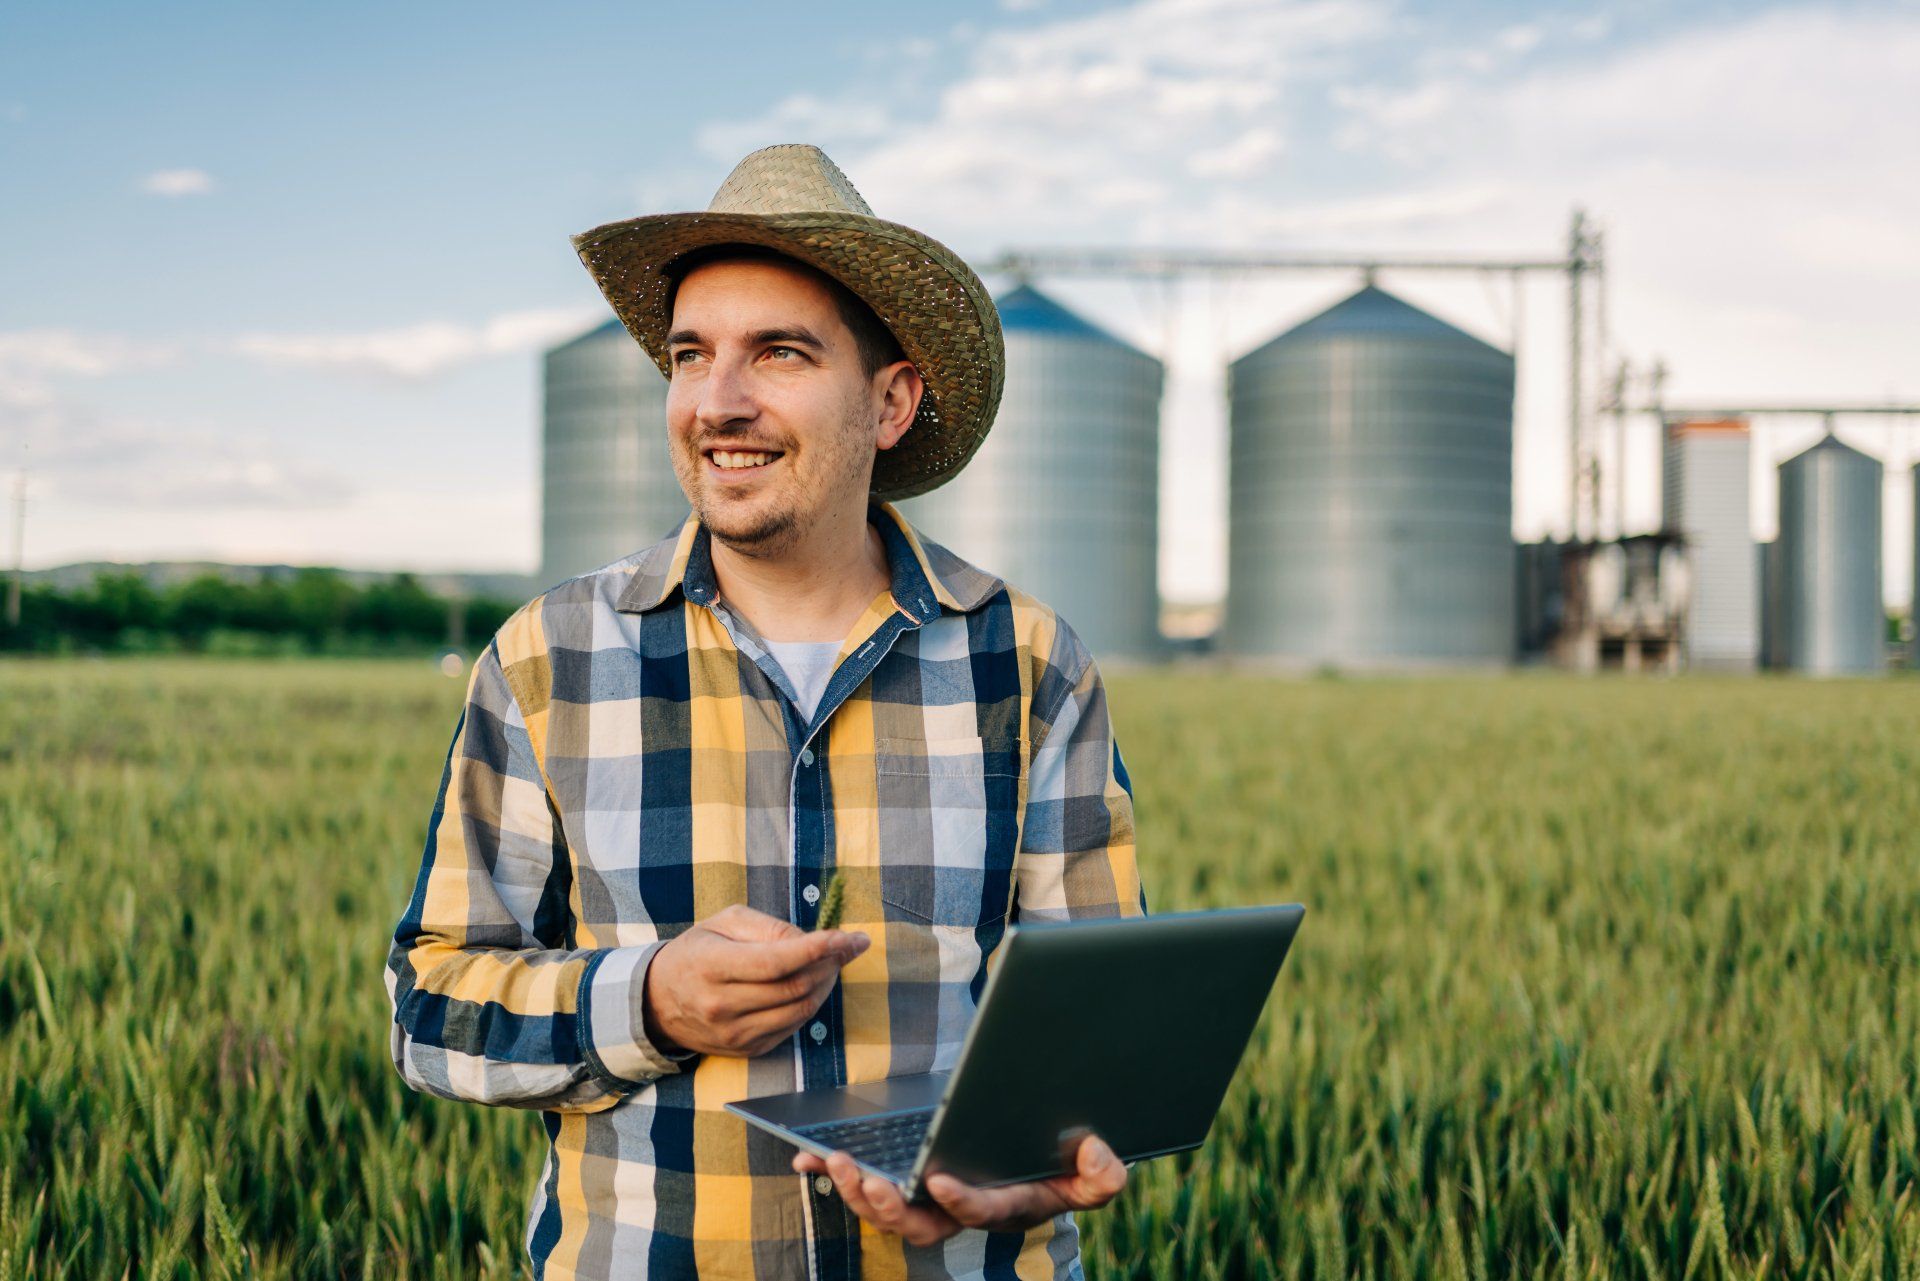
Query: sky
277,278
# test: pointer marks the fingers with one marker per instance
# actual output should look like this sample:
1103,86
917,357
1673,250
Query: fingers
846,1181
1098,1176
766,962
758,1033
810,984
980,1207
880,1203
744,924
741,981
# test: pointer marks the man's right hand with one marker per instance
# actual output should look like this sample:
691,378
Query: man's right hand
740,982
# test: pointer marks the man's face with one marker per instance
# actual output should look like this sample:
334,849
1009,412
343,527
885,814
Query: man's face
772,421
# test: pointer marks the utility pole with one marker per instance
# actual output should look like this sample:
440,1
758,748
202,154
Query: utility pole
1617,418
1656,404
1577,478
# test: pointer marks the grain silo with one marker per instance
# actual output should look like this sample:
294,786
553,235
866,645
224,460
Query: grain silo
1062,499
1705,495
1834,622
1371,492
608,486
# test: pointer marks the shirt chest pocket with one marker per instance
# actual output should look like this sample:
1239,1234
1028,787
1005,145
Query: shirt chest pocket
949,819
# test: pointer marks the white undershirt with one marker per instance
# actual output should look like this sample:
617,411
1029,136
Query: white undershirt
809,665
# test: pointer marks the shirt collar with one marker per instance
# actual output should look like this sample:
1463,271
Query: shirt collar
924,576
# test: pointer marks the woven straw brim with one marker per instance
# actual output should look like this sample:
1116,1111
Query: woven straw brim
926,294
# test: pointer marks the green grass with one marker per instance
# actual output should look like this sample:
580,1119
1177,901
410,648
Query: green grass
1599,978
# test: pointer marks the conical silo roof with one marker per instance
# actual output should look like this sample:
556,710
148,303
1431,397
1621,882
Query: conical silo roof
596,334
1829,444
1024,309
1373,311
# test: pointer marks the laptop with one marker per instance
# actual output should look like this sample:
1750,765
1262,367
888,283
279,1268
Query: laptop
1130,1028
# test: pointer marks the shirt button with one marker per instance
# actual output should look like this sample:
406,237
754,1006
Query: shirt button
823,1185
811,894
806,756
818,1032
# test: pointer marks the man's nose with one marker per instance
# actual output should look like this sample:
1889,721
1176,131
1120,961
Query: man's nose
726,394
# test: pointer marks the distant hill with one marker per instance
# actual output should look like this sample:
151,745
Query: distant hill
166,573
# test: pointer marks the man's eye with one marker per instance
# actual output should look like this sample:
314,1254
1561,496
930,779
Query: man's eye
789,350
680,357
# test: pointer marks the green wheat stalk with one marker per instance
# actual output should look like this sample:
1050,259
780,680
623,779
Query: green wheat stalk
832,902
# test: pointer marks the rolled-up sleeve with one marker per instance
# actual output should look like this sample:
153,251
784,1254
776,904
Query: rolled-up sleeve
492,1002
1077,855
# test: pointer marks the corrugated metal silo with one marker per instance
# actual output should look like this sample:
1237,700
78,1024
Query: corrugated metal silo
1371,492
1706,500
1062,500
608,486
1834,621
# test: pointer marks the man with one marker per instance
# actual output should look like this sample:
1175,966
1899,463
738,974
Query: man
661,764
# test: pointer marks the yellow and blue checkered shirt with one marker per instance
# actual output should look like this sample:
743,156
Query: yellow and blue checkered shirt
630,761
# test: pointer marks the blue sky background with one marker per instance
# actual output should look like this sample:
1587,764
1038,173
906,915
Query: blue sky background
277,278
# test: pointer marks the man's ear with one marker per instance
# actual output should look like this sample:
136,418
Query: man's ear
901,389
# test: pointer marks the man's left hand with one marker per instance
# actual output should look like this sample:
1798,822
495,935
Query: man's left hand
1097,1178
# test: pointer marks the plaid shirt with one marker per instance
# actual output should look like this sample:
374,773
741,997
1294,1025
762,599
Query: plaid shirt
630,761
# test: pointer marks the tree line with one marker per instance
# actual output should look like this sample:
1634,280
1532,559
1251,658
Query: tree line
311,611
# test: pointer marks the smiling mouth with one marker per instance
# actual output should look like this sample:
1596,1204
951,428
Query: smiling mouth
743,460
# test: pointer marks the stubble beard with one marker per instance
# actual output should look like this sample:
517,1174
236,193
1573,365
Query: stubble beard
770,528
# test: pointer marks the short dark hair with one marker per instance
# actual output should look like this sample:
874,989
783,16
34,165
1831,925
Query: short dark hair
876,343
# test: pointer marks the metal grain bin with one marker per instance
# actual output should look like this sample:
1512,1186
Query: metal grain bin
1706,500
608,486
1834,622
1371,492
1062,499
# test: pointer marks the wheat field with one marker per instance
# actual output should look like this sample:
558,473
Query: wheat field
1599,978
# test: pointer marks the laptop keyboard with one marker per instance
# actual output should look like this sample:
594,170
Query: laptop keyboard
888,1142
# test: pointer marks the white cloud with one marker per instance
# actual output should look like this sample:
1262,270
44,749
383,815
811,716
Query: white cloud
177,182
1592,27
82,460
405,525
1241,157
1380,117
1088,125
1521,38
1741,171
66,351
30,359
422,350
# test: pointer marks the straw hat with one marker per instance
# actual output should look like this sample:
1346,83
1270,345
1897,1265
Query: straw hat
794,199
